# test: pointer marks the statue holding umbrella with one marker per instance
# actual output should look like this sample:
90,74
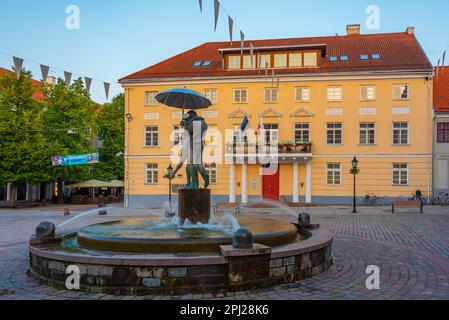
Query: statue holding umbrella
194,202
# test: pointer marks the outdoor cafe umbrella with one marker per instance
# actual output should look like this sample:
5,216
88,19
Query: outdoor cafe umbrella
182,98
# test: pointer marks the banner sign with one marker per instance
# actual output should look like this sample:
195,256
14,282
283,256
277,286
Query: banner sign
76,160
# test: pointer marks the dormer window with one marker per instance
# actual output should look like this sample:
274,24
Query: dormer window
280,60
247,63
375,56
344,58
234,62
333,58
310,59
295,60
364,57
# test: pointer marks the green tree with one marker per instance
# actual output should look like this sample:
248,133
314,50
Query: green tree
111,133
70,127
24,155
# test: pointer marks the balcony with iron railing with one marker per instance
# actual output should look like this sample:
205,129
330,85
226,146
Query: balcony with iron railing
286,152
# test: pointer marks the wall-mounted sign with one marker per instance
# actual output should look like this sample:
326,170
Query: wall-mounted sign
75,160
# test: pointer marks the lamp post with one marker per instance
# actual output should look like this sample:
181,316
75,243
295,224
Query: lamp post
355,164
170,172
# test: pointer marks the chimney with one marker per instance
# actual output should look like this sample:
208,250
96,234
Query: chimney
352,29
410,30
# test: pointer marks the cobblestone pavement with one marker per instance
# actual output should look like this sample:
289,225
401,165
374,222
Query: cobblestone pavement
412,251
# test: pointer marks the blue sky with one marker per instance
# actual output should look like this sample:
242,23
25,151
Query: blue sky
118,37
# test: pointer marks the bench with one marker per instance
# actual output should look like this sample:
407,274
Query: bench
407,204
227,206
15,205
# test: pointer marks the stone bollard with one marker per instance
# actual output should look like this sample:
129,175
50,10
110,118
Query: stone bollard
45,230
243,239
66,212
102,212
304,219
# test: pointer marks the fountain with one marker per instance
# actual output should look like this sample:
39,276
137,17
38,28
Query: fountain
194,251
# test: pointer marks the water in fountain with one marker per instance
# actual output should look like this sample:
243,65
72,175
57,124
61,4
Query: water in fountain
84,214
285,208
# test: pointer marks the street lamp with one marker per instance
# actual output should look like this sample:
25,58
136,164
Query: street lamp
170,172
355,164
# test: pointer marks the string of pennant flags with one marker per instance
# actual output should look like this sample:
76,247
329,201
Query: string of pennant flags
45,71
441,63
231,24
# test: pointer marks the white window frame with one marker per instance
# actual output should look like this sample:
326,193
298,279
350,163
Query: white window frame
270,132
234,62
212,95
290,59
178,135
398,92
153,143
368,131
212,170
299,94
365,90
306,62
150,101
264,58
280,60
334,135
335,172
300,129
272,94
401,131
400,168
247,62
335,93
240,100
152,168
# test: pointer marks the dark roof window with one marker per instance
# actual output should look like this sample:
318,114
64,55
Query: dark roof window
344,58
375,56
364,57
197,63
207,63
333,58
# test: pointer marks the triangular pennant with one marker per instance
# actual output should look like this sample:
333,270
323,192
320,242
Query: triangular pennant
68,78
242,41
201,5
438,68
88,83
217,13
44,70
18,64
444,58
251,50
106,89
231,27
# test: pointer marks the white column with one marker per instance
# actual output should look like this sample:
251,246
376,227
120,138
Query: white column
309,181
232,198
244,183
9,192
295,182
28,191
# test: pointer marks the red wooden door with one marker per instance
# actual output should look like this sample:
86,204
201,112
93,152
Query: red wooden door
270,186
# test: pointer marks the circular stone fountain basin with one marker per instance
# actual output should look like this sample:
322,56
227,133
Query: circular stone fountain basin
155,236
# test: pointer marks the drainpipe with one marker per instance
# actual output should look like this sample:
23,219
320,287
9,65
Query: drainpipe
126,200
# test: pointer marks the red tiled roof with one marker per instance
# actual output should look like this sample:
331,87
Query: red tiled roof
38,95
441,90
398,51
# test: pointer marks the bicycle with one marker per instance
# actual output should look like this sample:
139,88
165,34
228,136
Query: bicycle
372,201
441,199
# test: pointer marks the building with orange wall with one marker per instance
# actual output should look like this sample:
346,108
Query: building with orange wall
330,99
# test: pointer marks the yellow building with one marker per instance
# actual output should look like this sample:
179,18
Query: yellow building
325,100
